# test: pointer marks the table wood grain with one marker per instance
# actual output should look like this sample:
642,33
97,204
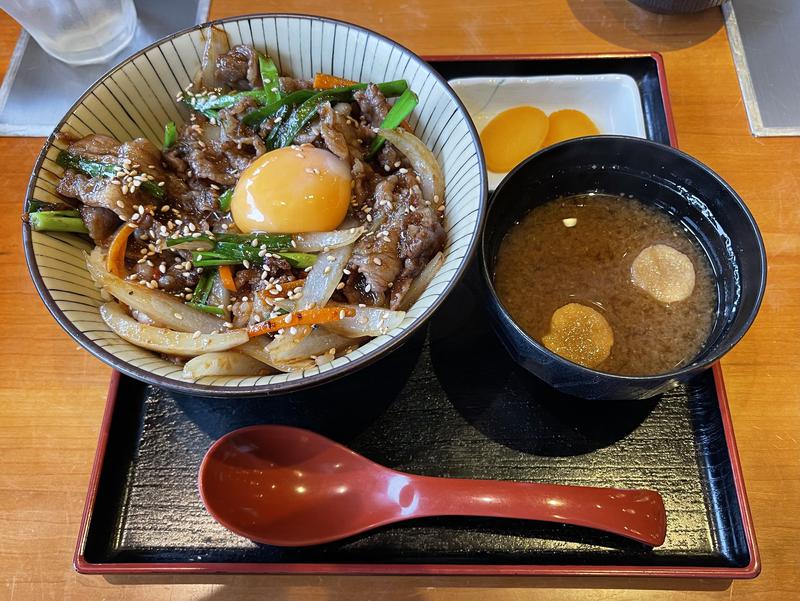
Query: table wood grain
52,393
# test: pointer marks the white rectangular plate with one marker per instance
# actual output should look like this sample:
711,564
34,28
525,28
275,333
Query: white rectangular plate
611,100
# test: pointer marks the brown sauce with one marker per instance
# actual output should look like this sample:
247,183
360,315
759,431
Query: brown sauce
543,265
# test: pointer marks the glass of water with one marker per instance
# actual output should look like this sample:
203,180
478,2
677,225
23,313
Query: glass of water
78,32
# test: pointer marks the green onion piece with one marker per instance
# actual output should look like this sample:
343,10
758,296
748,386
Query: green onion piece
206,308
299,260
254,118
203,288
402,108
390,89
271,241
170,134
209,103
269,78
214,262
225,200
102,170
291,127
57,221
41,205
272,139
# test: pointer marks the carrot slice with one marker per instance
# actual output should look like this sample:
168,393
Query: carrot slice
299,318
323,81
226,275
115,262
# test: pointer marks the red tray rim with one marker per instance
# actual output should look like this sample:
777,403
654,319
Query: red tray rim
751,570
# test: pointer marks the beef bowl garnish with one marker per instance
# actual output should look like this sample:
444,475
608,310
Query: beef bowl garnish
259,219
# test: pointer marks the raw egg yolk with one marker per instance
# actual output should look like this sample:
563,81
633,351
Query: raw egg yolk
292,190
568,124
512,136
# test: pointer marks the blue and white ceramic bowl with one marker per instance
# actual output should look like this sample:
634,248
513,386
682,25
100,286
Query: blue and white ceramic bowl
137,97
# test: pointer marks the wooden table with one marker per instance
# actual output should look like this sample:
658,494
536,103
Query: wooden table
52,393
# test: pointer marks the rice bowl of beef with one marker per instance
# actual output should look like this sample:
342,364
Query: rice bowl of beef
255,205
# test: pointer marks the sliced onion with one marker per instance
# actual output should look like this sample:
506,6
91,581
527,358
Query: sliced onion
318,241
226,363
319,342
216,45
421,282
163,340
423,162
320,285
161,307
368,321
258,349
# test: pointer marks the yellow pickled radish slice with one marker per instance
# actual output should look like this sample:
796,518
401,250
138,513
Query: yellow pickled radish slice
580,334
664,273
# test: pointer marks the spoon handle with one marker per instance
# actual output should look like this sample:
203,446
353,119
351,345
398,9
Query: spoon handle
635,514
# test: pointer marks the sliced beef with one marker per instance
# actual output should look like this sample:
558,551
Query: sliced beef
233,130
100,222
375,262
238,68
404,236
289,84
373,104
95,147
364,183
204,158
343,135
422,236
97,193
390,159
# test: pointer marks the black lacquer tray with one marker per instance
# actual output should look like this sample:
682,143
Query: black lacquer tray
449,403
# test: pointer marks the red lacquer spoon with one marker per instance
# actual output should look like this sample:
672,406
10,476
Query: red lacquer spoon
290,487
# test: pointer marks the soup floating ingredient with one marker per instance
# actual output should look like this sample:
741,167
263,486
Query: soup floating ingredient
664,273
580,251
580,334
292,190
512,136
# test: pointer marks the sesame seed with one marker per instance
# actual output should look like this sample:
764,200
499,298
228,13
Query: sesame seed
178,316
124,190
293,330
196,335
162,268
245,299
340,285
346,271
367,288
254,243
288,318
341,314
246,263
377,261
120,204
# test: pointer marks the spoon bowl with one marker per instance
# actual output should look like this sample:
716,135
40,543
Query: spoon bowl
290,487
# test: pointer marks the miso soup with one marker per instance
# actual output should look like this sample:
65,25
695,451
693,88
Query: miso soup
608,282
